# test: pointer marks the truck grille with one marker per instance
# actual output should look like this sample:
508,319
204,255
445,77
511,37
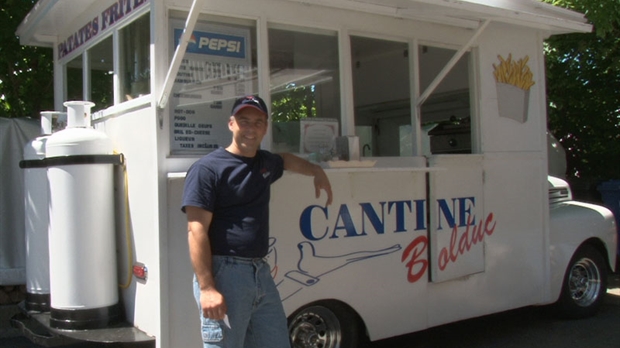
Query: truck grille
559,191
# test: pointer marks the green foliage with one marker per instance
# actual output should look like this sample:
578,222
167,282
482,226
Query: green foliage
293,104
583,90
603,14
26,73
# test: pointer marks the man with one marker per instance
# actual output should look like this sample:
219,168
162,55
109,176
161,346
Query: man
226,199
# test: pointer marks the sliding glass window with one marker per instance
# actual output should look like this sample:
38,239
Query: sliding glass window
446,114
305,90
93,79
381,95
101,70
74,80
135,62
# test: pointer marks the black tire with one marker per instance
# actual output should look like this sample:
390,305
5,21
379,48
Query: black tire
324,325
584,286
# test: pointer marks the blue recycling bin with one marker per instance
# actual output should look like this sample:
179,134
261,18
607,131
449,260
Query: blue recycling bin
610,194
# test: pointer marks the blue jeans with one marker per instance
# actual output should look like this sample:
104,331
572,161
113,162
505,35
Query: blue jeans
255,312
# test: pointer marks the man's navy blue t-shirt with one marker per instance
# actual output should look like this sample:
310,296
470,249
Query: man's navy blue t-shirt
236,190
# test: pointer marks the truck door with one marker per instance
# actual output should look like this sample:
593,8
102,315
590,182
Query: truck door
455,210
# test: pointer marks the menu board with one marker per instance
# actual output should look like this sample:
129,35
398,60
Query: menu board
215,69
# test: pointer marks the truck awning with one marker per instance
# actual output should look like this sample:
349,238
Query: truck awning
44,22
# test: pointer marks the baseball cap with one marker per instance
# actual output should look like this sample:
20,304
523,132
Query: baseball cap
250,101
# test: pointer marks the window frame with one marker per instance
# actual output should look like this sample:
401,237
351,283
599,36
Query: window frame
84,51
307,30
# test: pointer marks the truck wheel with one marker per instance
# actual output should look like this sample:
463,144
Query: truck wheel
585,284
324,325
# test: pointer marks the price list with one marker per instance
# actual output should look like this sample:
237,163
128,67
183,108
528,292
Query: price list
190,133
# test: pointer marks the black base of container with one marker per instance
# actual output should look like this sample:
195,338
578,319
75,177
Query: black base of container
37,302
84,319
36,328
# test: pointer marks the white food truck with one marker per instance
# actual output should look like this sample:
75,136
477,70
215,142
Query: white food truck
429,118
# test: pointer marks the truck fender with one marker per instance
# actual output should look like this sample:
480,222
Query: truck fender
573,224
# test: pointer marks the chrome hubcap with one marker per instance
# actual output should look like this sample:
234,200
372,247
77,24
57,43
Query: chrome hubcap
316,327
584,282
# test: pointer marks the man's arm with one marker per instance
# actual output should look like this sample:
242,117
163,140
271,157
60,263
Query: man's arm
198,222
301,166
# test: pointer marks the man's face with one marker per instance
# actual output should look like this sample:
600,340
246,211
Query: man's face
248,127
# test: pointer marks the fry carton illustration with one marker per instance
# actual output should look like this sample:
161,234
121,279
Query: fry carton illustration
514,80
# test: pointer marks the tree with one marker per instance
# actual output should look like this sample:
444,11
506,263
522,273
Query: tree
26,73
583,90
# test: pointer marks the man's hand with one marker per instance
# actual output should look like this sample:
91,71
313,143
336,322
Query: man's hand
211,301
301,166
212,304
321,182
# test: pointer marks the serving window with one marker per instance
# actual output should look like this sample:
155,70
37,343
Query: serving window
446,114
304,85
305,89
381,91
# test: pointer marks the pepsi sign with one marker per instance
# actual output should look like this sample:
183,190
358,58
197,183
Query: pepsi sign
214,44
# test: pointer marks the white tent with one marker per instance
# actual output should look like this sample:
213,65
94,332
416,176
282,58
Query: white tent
14,135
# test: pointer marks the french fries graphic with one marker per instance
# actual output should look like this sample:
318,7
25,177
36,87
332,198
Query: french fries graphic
516,73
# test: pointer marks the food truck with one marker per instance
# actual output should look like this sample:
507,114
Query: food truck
429,118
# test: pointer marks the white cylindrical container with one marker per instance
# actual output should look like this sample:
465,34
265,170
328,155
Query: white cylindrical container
84,291
36,202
